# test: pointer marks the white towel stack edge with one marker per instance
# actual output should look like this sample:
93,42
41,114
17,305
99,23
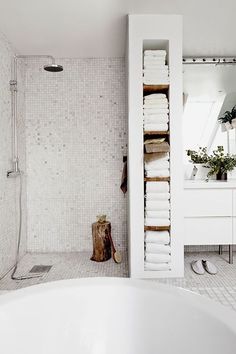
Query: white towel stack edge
156,72
157,251
156,112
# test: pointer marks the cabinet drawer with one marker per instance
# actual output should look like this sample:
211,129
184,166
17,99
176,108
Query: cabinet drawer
210,202
208,231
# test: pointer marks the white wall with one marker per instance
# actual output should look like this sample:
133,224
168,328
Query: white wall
75,141
9,188
208,26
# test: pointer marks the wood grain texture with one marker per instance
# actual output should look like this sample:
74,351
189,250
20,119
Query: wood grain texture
101,233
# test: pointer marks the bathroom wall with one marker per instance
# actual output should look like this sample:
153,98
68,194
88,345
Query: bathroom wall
76,137
9,211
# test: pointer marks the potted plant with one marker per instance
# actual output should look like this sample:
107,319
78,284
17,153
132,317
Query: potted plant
221,163
228,120
200,160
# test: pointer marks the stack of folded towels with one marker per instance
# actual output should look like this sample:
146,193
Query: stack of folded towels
155,112
155,70
160,167
157,206
157,250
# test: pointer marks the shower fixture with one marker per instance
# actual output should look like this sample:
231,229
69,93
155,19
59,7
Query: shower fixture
15,171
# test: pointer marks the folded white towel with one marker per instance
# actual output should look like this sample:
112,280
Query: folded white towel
158,70
157,222
158,173
159,161
152,119
155,110
150,103
157,165
158,156
155,248
155,52
157,115
156,96
153,65
157,196
160,187
155,82
158,77
157,266
157,258
157,205
158,237
148,107
162,127
157,214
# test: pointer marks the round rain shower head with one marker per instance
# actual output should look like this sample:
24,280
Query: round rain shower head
53,68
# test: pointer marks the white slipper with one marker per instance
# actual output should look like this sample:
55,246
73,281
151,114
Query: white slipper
197,267
209,267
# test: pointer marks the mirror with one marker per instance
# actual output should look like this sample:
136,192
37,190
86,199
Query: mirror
209,91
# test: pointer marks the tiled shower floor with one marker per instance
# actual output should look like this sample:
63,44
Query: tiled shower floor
220,287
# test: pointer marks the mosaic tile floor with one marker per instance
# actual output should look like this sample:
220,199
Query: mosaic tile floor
220,287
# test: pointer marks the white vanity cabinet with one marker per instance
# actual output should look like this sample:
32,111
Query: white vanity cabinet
210,213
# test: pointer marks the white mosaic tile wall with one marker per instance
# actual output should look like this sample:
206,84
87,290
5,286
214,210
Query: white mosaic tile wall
76,137
9,187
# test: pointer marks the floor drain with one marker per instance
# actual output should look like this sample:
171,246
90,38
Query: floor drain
40,269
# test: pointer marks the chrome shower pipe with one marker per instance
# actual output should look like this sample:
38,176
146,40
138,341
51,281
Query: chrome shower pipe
13,88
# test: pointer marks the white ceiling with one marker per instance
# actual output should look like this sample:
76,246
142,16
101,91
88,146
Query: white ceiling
97,28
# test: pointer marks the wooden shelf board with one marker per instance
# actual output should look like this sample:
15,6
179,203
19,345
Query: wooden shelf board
149,132
156,228
156,179
154,88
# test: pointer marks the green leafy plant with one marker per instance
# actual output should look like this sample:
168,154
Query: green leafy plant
199,156
219,162
228,116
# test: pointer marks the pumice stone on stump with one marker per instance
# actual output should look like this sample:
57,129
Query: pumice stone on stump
101,232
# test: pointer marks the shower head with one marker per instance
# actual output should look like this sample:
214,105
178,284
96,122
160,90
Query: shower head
53,68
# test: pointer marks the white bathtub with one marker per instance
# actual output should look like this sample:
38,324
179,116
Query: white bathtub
113,316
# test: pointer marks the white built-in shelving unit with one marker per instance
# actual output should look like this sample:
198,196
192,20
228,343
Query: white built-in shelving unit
154,32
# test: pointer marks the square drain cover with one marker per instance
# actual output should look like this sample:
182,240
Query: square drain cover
40,269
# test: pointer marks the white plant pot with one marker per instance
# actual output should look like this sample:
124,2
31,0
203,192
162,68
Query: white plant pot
223,127
233,123
200,172
228,126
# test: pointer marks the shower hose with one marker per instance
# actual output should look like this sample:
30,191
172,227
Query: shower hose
19,236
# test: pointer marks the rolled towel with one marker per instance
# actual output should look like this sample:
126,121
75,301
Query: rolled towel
157,222
155,248
157,258
156,96
157,266
158,237
157,214
158,173
162,127
161,187
160,156
157,205
157,196
157,165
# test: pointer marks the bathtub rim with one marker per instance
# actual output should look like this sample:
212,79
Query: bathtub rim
212,308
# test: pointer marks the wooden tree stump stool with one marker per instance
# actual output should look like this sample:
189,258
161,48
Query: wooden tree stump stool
101,241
